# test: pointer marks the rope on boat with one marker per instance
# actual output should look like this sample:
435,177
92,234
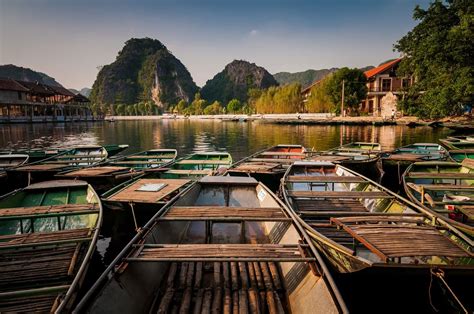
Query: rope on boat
439,273
133,214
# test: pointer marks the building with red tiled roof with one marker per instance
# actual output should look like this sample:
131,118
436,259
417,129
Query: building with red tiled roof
384,88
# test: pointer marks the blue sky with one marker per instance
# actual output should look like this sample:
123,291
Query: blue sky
69,39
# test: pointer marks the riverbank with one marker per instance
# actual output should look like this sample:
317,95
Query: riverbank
464,122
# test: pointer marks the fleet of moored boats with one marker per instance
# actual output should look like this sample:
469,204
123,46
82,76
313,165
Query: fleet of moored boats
275,232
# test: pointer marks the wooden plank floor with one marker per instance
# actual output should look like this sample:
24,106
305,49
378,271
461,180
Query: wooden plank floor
330,179
223,211
94,171
339,194
330,205
409,239
130,193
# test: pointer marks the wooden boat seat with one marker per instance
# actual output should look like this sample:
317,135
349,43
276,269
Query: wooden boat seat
150,157
256,167
467,210
189,172
202,162
334,158
282,154
42,167
47,211
220,252
273,160
434,175
407,157
136,162
339,194
330,179
335,205
216,213
467,162
82,156
387,238
94,171
131,194
14,241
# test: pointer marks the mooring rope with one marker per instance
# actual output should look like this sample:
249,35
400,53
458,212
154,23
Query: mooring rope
440,274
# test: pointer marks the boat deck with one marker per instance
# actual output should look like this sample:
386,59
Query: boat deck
148,190
399,236
94,171
31,280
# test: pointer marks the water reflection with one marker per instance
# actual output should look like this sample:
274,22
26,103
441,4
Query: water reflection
239,138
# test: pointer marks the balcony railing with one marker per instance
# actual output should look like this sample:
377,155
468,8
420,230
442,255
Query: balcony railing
384,90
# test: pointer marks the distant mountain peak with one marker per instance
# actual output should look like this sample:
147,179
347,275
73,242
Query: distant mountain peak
235,81
18,73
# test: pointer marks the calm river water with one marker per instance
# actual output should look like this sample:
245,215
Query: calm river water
238,138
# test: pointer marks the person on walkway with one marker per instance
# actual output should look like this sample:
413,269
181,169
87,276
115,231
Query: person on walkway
393,114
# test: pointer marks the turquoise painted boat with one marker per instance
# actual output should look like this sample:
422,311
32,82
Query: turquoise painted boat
458,142
198,165
395,163
445,188
43,170
37,154
48,233
362,157
148,159
113,172
460,154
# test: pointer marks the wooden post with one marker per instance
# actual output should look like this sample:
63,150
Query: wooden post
342,100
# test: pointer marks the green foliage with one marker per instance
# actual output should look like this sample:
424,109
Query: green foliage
181,106
234,106
197,106
215,108
319,100
355,89
439,54
282,99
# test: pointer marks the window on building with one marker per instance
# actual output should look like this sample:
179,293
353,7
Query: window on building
405,83
386,85
19,95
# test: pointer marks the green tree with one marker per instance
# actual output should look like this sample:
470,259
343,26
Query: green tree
197,106
355,89
181,106
282,99
319,100
234,106
438,53
215,108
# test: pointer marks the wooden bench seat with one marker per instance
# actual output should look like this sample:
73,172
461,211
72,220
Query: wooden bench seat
14,241
130,194
434,175
47,211
282,154
329,179
202,162
217,213
273,160
189,172
94,171
219,252
339,194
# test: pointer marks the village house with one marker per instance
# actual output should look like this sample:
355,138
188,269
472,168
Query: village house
384,88
35,102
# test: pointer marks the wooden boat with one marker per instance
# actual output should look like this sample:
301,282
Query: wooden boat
37,154
268,165
48,232
394,163
149,159
197,165
460,154
458,142
10,161
112,173
363,227
225,244
46,169
362,157
446,188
